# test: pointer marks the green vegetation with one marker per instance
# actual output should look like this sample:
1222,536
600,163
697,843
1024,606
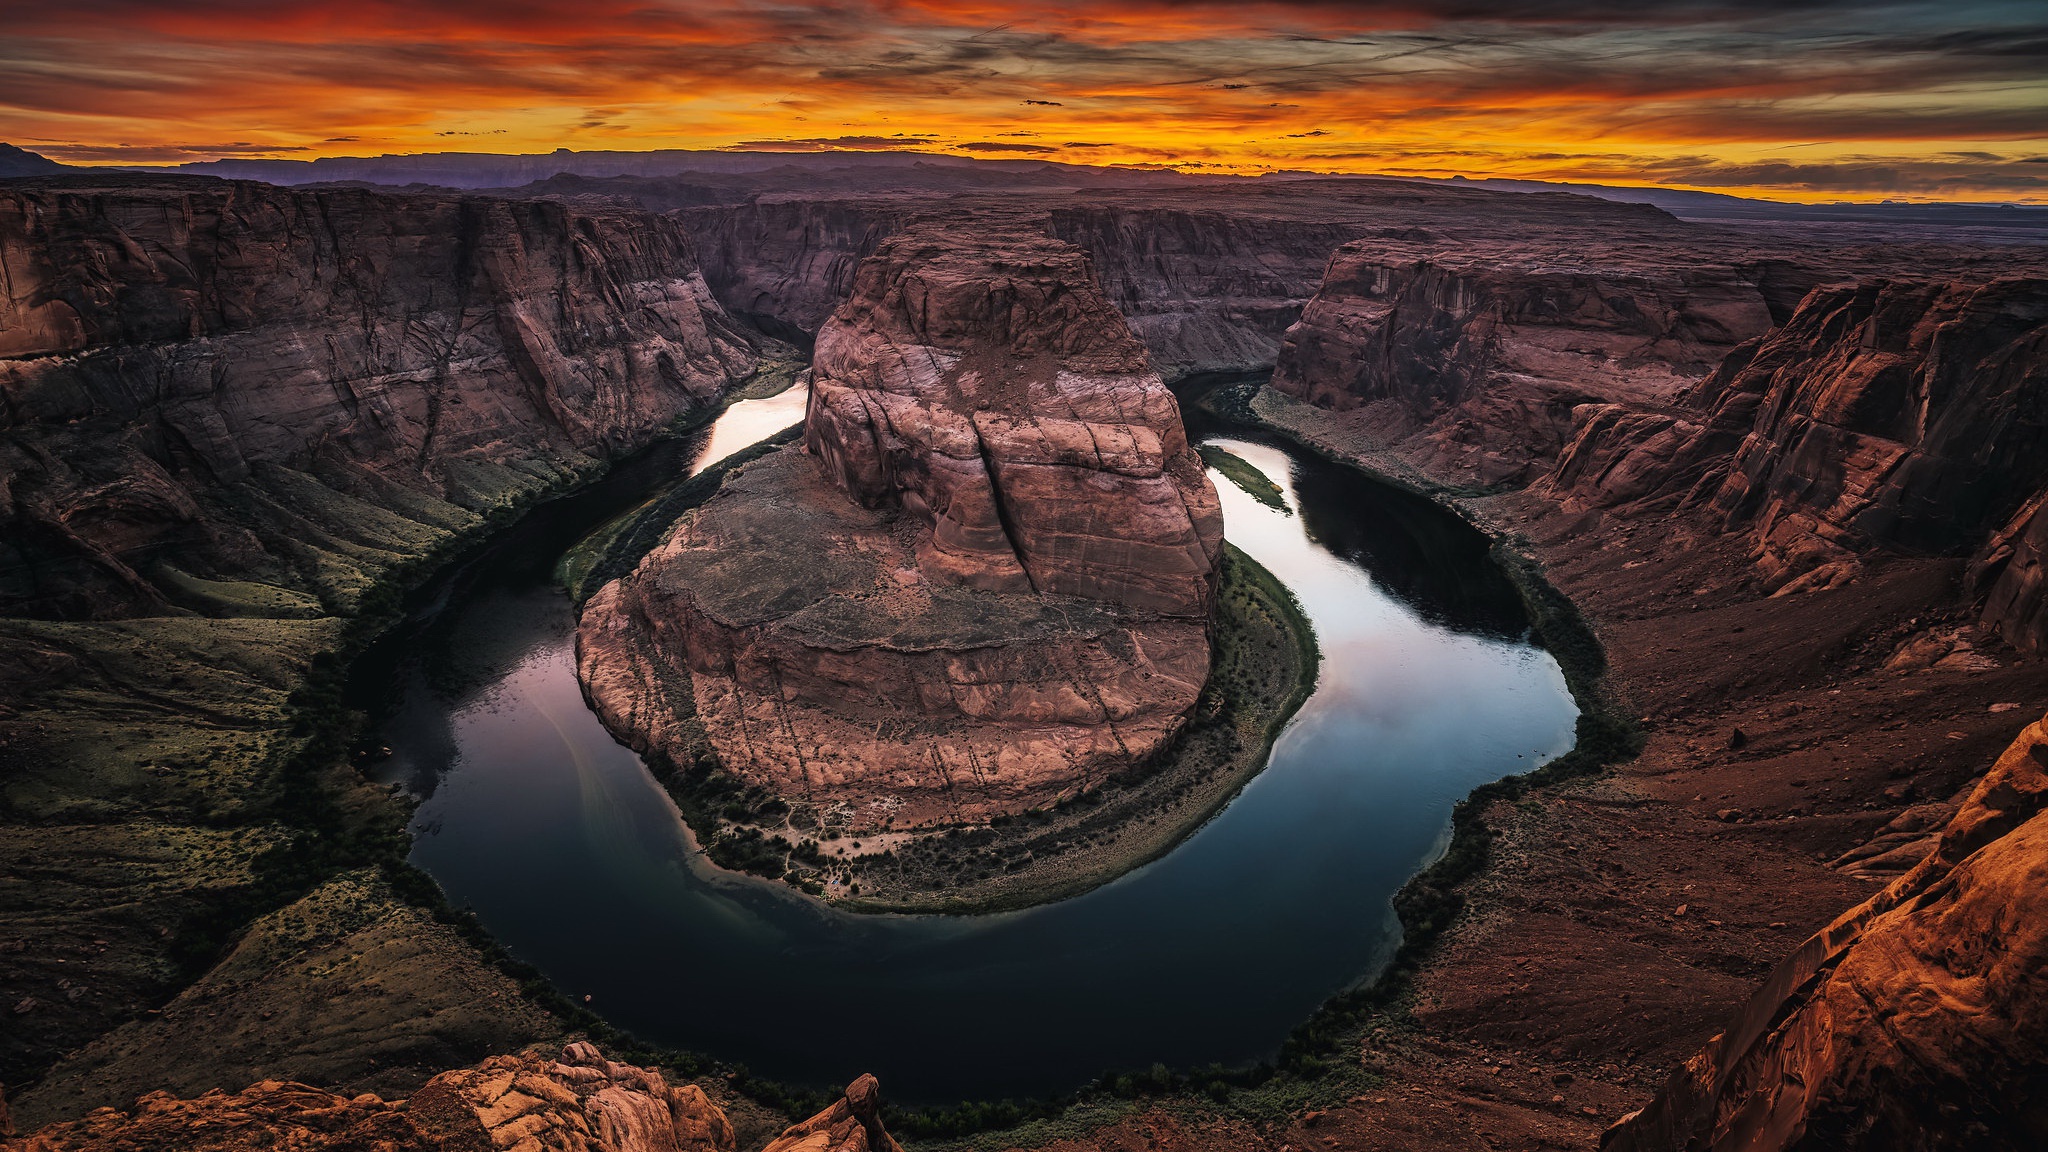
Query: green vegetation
1241,473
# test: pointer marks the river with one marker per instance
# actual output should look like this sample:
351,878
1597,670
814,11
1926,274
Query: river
574,858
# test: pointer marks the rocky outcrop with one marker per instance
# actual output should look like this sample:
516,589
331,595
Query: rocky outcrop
852,1124
1883,417
526,1103
2012,573
987,387
983,584
205,382
1481,356
580,1102
1919,1019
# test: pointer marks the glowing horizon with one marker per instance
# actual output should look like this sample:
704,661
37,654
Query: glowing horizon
1785,99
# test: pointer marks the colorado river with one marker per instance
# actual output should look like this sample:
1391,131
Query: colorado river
574,858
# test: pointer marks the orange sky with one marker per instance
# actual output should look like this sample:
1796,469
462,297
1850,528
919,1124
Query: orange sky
1806,99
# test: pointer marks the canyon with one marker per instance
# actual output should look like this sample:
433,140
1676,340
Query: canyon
234,413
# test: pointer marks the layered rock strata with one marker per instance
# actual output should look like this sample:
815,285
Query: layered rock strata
1206,289
577,1102
983,583
1480,357
1918,1019
194,374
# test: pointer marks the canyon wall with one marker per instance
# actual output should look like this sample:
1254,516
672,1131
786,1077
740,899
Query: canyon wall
787,263
982,584
1918,1019
1479,357
1206,290
207,382
1884,417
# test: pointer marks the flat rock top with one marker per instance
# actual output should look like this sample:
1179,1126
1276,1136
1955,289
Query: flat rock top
1014,294
780,543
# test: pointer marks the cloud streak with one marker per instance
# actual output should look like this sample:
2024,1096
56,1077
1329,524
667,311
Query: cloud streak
1797,97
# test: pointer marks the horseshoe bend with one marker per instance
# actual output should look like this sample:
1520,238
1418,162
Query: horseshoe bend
1324,662
981,584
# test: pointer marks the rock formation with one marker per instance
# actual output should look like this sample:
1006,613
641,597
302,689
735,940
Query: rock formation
1919,1019
788,264
1207,290
1483,355
852,1124
1882,417
580,1102
194,371
984,582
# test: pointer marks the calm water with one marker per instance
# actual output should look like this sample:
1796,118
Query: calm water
574,858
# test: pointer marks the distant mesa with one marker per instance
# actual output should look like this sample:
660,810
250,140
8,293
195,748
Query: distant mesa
982,583
21,162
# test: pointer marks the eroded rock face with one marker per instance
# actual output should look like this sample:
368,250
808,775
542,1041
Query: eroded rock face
985,582
1206,290
193,370
1919,1019
1485,355
852,1124
788,263
1884,416
525,1103
998,396
1900,415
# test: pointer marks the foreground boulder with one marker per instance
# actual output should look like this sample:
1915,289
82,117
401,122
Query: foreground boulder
1918,1019
852,1124
983,583
579,1103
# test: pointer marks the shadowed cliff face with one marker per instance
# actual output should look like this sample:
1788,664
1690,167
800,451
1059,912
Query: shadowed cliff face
1207,291
786,264
1482,356
985,581
1883,417
233,381
1919,1019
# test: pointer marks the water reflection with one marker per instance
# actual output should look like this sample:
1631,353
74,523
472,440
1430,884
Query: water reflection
573,857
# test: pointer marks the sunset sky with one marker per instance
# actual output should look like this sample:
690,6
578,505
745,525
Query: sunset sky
1799,99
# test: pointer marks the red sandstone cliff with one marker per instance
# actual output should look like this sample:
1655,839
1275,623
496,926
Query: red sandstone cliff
985,583
241,381
1889,416
1477,357
1919,1019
